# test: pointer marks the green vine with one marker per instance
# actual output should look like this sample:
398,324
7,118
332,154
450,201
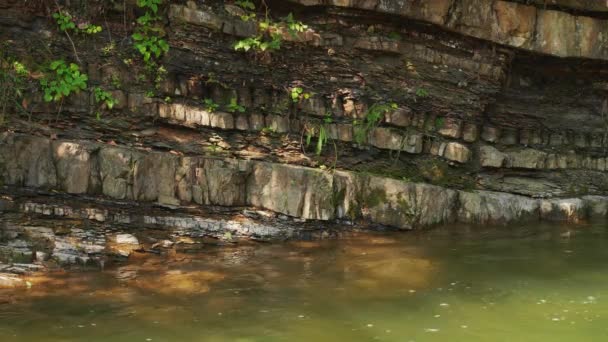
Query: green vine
148,39
233,106
374,115
62,81
269,36
65,21
210,105
103,97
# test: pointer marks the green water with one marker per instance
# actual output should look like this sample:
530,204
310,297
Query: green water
511,284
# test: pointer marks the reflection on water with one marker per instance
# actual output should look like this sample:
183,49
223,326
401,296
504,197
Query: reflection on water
517,284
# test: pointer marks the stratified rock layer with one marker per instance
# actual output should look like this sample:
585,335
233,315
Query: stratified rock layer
123,173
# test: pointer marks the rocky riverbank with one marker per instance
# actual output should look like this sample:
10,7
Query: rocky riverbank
360,115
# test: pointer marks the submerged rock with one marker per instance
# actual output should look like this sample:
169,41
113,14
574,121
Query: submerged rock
11,281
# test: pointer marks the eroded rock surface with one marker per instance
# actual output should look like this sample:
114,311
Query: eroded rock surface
492,112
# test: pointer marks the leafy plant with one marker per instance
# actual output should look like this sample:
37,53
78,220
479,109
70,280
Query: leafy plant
374,115
62,81
150,45
245,4
421,92
210,105
298,94
90,29
148,40
259,43
394,36
147,36
65,21
104,97
150,4
108,49
233,106
147,19
116,81
439,122
13,82
294,26
248,16
320,130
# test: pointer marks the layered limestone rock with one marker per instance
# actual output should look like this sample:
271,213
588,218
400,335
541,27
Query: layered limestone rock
299,192
476,96
510,23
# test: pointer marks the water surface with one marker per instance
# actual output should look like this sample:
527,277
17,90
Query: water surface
534,283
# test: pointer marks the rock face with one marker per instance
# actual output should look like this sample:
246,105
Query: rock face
348,120
299,192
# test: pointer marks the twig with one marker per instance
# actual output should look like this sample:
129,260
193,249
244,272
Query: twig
69,38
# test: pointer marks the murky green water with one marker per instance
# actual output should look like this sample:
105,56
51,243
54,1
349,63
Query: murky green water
516,284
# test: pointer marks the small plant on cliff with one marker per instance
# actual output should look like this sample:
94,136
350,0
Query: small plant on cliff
90,28
103,97
245,4
294,26
150,45
13,82
374,115
269,36
64,20
148,40
298,95
62,80
210,105
261,43
322,132
150,4
233,106
421,92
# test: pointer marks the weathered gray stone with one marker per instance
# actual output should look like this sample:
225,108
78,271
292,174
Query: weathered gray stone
567,209
490,134
219,182
526,159
489,156
457,152
221,120
27,161
241,122
406,205
508,137
291,190
485,207
451,128
278,123
597,206
115,171
256,122
195,16
73,164
470,132
401,117
154,177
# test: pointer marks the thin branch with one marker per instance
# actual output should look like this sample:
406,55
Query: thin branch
69,38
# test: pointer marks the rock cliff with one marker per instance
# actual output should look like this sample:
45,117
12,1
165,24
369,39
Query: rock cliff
395,113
